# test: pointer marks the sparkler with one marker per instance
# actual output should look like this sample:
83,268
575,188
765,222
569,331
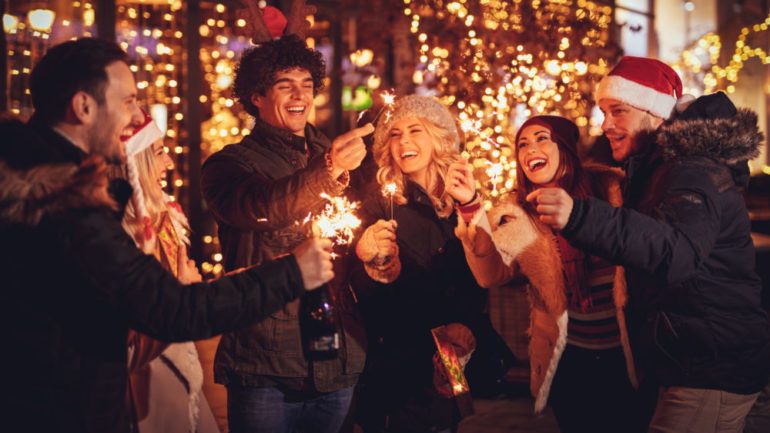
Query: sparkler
494,172
473,126
336,221
388,98
388,190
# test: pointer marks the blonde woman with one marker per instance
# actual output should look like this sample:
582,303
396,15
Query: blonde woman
165,380
413,275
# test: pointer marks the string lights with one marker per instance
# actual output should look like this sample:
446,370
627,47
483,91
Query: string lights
499,62
29,33
152,35
229,123
699,64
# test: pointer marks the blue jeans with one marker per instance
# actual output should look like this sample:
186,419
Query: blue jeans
270,410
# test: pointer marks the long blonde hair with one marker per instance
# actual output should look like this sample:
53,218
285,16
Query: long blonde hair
445,152
149,197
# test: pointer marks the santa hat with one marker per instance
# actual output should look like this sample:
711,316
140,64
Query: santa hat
425,107
643,83
142,137
563,131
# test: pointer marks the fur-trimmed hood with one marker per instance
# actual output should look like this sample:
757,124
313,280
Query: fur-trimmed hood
27,195
711,127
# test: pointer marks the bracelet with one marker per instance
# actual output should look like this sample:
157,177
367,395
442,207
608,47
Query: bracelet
344,178
475,196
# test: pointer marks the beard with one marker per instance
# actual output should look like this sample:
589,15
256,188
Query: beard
103,138
645,137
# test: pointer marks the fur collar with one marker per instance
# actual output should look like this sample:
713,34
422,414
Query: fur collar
26,196
727,140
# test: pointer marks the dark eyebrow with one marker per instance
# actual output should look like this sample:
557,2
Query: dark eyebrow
289,80
540,132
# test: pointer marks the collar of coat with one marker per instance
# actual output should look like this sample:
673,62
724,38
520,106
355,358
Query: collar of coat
27,195
727,140
278,138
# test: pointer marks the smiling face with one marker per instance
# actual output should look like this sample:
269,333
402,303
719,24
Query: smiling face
412,148
113,118
287,103
161,160
623,124
538,155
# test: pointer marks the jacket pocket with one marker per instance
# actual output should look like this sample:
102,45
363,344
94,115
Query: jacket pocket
255,338
286,336
666,339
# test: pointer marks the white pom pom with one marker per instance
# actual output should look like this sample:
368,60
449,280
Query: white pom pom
683,102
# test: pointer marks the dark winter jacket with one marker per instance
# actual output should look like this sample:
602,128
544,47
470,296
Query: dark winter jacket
434,287
260,190
684,237
74,282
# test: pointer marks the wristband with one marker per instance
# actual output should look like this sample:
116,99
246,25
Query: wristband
475,196
344,178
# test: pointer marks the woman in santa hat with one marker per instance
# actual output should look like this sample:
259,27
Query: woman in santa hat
576,300
413,277
165,380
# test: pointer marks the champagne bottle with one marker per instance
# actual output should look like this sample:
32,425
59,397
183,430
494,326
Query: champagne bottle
320,338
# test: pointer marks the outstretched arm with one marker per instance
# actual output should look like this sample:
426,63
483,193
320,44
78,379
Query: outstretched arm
155,303
671,247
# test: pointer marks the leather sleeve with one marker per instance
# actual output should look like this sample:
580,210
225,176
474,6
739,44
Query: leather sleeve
249,200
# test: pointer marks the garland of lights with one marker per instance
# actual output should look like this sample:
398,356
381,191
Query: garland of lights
29,36
153,38
699,66
499,62
229,122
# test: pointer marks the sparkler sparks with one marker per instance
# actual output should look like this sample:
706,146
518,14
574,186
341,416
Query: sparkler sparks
337,220
474,126
388,190
494,172
388,98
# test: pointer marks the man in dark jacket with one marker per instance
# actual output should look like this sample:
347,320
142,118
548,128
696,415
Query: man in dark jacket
684,237
260,190
73,280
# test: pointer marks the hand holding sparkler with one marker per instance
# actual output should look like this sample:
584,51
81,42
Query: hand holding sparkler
378,243
348,150
460,183
315,262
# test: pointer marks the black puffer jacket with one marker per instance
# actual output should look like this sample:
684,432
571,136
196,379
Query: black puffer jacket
74,282
684,237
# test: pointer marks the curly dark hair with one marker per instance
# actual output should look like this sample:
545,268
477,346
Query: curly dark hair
256,70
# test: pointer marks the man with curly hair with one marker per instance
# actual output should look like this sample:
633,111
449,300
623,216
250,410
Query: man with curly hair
257,190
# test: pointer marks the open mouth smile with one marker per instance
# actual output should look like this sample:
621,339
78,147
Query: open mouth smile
536,164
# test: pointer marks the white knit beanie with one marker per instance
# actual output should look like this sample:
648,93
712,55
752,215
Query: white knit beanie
426,107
